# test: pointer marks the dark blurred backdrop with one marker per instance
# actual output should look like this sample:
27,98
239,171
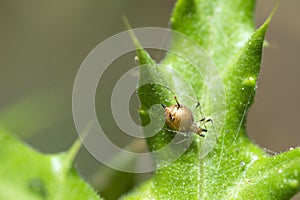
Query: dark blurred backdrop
44,42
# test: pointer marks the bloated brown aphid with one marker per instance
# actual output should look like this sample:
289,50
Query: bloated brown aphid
181,119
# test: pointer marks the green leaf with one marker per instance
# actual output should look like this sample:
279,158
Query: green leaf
225,164
28,174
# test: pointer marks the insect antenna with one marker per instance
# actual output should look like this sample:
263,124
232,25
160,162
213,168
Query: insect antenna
178,104
198,105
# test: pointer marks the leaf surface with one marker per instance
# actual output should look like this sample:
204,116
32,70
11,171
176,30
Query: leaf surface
28,174
222,75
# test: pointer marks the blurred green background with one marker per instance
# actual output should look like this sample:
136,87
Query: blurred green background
44,42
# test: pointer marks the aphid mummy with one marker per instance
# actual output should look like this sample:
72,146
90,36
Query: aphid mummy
180,118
